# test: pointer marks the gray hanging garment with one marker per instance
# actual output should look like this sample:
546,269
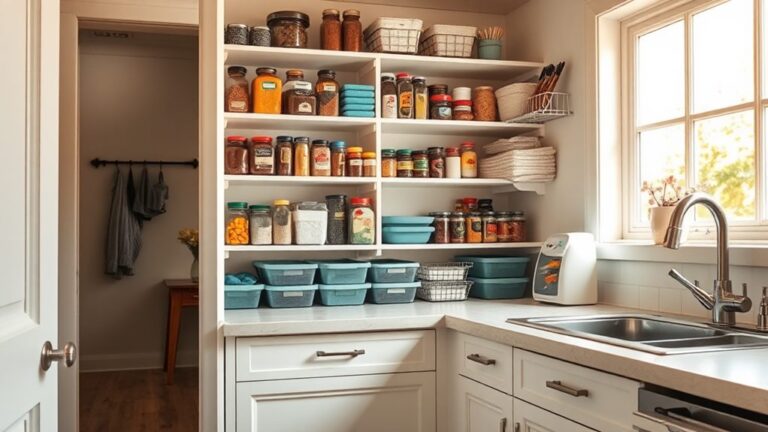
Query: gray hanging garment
123,232
141,202
158,195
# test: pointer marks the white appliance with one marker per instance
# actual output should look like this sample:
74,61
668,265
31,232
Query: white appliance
566,270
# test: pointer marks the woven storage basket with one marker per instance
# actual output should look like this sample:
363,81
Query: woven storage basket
448,41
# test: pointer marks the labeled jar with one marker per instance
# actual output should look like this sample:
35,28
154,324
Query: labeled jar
458,227
301,156
518,227
282,229
404,163
260,222
489,228
299,96
404,96
468,160
236,34
452,163
420,98
237,231
462,110
288,28
462,93
484,104
352,30
474,227
369,164
442,224
291,76
320,163
337,219
436,162
485,205
284,155
440,107
236,98
504,227
469,204
388,163
338,158
236,155
262,156
330,30
355,162
259,36
436,89
327,91
420,164
267,91
388,96
362,221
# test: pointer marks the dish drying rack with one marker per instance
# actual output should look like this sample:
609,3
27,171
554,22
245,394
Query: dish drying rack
545,107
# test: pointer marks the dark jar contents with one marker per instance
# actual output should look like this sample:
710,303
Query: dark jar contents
518,227
353,30
458,228
404,163
436,89
259,36
440,107
436,162
299,96
321,159
485,204
236,34
301,156
337,219
262,156
420,164
291,77
489,228
388,96
504,227
236,155
338,158
388,163
404,96
236,95
327,91
288,28
284,155
355,162
369,164
462,110
442,224
330,30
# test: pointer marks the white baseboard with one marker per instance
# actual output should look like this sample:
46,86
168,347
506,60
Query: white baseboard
133,361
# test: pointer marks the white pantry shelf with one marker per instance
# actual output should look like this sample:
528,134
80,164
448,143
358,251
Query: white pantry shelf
449,67
265,180
496,185
462,246
456,127
299,248
296,122
297,58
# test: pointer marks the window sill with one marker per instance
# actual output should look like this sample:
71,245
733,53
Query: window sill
742,253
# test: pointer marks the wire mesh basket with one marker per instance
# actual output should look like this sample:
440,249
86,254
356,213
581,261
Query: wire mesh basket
449,271
447,45
544,107
438,291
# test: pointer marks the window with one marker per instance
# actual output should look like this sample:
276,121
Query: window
697,108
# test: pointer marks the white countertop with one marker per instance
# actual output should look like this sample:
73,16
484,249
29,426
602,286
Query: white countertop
737,377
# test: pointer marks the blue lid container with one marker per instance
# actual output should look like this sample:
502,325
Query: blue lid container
407,220
343,295
281,273
499,288
393,271
242,296
490,266
407,234
290,296
344,271
389,293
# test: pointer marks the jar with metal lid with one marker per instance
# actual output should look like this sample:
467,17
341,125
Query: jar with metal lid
361,221
288,28
327,91
474,227
469,204
518,227
352,30
262,156
236,34
388,163
338,158
330,30
284,155
461,93
404,163
420,98
388,96
236,97
259,36
237,231
489,228
420,163
484,104
355,162
337,219
267,91
440,107
369,164
301,156
236,155
260,222
485,204
436,162
458,228
282,222
452,163
462,110
292,77
298,95
468,160
404,96
320,162
442,224
504,227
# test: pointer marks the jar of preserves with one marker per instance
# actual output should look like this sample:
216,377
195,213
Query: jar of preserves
484,104
338,158
236,98
236,155
301,156
474,227
262,156
327,91
404,163
469,204
369,164
442,224
288,28
362,221
404,96
260,222
320,163
282,229
452,163
440,107
458,227
462,110
518,227
330,30
388,96
489,228
388,163
267,91
284,155
355,162
353,30
236,34
504,227
420,98
436,162
420,164
468,160
237,224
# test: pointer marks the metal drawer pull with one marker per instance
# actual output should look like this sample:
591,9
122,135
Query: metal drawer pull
559,386
353,353
477,358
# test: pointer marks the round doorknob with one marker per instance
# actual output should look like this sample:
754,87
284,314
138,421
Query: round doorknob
50,355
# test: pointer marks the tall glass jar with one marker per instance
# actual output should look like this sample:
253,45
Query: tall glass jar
484,104
404,163
369,164
284,156
301,156
327,91
442,224
282,222
490,229
298,95
337,219
436,162
474,227
458,228
420,98
355,162
330,30
291,77
504,227
236,98
468,160
262,156
388,163
320,162
420,164
362,221
267,91
518,227
338,158
388,96
353,30
260,225
236,155
288,28
452,163
404,96
237,232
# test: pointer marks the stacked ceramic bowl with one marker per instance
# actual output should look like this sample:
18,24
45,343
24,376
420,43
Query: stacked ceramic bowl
407,229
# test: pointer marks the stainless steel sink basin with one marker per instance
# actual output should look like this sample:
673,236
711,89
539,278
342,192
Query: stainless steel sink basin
647,333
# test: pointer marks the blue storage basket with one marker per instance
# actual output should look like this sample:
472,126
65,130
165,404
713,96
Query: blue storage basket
343,295
242,296
490,266
393,271
388,293
499,288
290,296
281,273
344,271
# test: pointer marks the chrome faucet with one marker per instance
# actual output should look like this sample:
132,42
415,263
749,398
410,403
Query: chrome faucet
723,302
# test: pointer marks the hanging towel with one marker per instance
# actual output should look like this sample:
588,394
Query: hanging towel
158,195
142,201
123,231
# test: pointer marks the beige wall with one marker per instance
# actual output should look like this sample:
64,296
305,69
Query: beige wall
138,100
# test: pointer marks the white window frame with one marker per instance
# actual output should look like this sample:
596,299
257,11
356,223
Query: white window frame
647,21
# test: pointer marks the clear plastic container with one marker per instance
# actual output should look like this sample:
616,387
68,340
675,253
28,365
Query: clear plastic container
242,296
237,231
289,29
343,295
236,97
281,273
293,296
282,223
260,225
345,271
393,271
388,293
310,222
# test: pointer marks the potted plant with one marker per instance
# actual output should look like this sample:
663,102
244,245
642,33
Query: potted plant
191,239
663,196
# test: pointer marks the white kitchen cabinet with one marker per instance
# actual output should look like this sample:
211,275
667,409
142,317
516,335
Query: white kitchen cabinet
479,408
530,418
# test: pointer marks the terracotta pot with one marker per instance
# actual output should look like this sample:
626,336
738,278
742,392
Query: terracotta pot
659,217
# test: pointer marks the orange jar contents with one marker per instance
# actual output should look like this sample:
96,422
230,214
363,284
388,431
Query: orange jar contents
474,228
354,162
267,91
237,224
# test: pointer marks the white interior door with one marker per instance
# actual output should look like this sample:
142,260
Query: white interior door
29,45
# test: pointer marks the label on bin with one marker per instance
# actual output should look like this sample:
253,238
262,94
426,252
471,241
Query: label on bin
396,291
396,270
293,294
293,272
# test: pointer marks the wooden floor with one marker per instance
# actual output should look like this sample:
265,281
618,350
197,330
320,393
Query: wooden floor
138,401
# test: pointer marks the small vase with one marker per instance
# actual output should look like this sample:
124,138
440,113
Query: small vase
194,271
659,217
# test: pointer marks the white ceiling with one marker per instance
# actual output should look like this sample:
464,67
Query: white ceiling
481,6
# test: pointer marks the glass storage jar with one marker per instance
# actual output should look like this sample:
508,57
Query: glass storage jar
420,164
484,104
468,160
490,229
291,76
262,156
436,162
352,30
442,224
388,96
327,92
298,95
420,98
404,163
474,227
436,89
504,227
362,221
440,107
452,163
518,227
388,163
369,164
337,219
321,159
462,110
404,96
355,162
284,155
330,30
267,91
236,155
338,158
288,28
301,156
259,36
236,98
282,222
237,224
260,225
458,227
236,34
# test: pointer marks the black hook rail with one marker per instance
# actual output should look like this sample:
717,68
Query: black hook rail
194,163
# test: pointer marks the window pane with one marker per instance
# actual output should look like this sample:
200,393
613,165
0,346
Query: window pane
662,154
723,60
661,74
725,162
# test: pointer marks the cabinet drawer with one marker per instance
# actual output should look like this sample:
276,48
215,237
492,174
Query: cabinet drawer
281,357
530,418
484,361
596,399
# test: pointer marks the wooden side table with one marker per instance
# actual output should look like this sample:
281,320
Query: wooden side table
181,293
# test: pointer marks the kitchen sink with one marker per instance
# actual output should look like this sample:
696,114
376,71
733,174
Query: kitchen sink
647,333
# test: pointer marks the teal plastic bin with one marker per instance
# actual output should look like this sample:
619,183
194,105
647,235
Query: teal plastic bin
343,295
290,296
388,293
491,266
242,296
284,273
392,271
341,272
500,288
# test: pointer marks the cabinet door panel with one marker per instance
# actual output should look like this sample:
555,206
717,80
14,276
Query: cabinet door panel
530,418
479,408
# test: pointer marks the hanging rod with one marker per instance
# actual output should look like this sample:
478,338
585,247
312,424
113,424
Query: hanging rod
102,162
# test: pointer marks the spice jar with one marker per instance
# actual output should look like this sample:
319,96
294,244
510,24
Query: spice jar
468,160
388,163
352,30
362,221
260,222
420,98
462,110
469,204
320,163
337,219
330,30
404,96
462,93
518,227
355,162
282,228
436,162
327,91
442,224
267,91
259,36
338,158
284,155
404,163
236,97
452,163
489,228
291,76
420,164
237,223
369,164
474,227
485,205
236,34
440,107
436,89
301,156
262,156
288,28
458,228
236,155
484,104
504,227
388,96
